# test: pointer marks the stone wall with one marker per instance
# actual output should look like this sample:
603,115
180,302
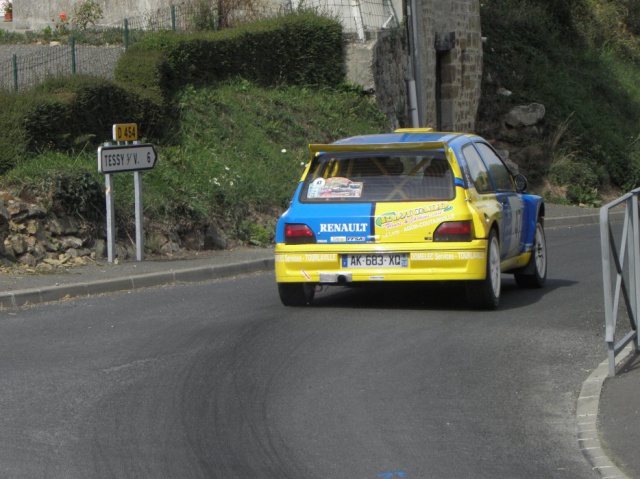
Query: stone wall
379,65
451,55
34,237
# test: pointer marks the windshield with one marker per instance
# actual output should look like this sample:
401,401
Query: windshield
396,177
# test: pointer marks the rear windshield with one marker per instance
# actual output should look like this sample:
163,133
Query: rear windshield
398,177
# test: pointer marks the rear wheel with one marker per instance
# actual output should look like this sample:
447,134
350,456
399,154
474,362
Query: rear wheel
535,273
485,294
296,294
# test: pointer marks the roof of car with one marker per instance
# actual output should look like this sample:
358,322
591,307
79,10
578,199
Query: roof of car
405,135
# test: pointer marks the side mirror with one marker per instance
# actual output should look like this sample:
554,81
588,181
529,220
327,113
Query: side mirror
521,183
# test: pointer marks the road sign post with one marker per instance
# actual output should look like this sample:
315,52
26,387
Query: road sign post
132,156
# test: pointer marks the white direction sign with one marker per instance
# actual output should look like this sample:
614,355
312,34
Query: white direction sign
118,158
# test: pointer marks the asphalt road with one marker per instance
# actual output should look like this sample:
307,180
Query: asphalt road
219,380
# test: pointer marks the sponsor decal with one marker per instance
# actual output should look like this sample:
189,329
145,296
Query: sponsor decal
336,187
343,227
306,258
422,224
396,219
338,239
356,239
320,257
448,256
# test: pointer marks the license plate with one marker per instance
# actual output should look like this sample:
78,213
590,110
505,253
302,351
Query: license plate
377,260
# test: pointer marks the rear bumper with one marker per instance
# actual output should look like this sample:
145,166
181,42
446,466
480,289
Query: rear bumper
433,262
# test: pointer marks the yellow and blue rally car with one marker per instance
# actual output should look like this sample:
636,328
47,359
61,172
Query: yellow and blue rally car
413,205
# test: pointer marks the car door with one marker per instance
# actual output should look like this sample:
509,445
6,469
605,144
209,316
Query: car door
509,199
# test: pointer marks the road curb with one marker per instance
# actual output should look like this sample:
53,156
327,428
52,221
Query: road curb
587,420
27,297
579,220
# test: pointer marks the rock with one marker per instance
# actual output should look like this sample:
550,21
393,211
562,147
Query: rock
170,248
63,225
214,238
17,243
17,209
7,251
70,242
194,240
39,252
525,115
121,252
44,267
34,227
36,211
80,260
49,245
31,243
5,262
51,261
28,259
100,248
5,216
17,227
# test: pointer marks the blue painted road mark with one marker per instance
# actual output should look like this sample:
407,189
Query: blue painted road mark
390,475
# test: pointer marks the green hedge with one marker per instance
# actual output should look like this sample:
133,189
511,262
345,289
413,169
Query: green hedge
297,49
71,112
13,137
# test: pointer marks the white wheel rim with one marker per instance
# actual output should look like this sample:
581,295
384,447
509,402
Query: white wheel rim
494,266
540,251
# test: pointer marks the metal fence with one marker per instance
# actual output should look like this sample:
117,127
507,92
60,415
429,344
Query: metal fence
356,16
621,274
96,50
27,65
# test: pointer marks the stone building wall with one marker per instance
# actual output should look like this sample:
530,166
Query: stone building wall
449,71
451,55
379,65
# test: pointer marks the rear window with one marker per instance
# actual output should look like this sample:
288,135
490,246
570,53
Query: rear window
367,178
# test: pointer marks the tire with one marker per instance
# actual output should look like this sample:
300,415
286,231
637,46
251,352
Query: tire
485,294
535,273
296,294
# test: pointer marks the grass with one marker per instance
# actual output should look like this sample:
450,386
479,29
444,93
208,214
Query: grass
581,68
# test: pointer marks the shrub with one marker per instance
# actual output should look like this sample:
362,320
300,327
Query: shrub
71,113
81,107
297,49
85,13
13,139
78,193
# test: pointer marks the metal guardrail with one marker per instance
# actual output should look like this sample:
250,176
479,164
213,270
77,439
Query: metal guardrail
621,274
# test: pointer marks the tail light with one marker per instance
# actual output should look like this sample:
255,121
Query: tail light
298,234
453,231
